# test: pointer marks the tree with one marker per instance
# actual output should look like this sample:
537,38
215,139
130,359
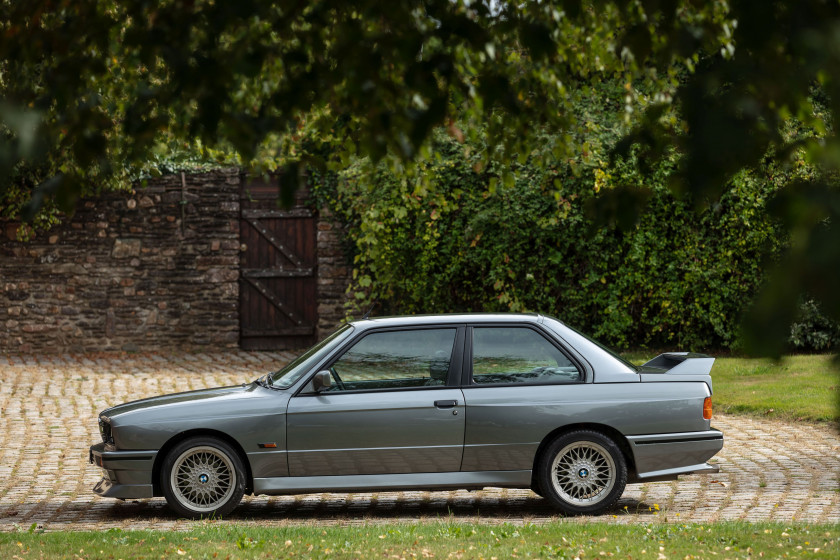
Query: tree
95,86
91,89
774,96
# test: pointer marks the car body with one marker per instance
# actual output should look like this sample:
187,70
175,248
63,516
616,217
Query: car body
422,402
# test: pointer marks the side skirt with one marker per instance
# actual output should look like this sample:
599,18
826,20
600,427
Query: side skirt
411,481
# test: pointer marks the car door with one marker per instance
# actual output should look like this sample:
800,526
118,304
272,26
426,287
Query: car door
391,408
516,385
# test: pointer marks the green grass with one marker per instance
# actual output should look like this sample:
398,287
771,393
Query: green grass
796,388
803,387
729,540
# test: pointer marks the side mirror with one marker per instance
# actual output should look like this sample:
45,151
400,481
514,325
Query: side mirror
321,381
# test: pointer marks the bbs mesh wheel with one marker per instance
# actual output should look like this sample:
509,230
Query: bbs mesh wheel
203,477
582,472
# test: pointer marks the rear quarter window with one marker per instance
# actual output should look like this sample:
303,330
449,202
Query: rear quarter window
504,355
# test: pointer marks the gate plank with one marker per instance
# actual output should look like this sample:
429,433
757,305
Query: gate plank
257,225
289,331
267,294
291,213
278,272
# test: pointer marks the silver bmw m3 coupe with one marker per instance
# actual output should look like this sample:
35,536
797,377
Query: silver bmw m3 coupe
422,402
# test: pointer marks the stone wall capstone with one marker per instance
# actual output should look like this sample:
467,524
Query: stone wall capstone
152,269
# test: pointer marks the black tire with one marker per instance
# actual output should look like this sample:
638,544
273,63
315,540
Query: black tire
203,477
582,472
535,484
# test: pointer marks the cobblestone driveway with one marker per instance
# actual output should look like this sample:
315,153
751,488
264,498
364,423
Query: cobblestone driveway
769,470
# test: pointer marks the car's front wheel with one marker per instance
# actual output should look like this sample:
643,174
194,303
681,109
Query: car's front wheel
203,477
582,472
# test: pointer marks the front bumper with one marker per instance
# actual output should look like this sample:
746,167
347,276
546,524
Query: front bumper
128,474
666,456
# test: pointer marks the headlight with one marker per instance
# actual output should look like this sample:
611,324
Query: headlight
105,429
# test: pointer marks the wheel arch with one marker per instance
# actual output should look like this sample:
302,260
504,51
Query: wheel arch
603,429
178,438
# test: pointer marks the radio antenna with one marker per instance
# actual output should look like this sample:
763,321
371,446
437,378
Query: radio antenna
367,315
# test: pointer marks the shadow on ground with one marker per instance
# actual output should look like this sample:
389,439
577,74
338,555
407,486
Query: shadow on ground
337,509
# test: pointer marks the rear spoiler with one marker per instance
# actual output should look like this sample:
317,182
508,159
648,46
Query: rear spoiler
679,363
678,366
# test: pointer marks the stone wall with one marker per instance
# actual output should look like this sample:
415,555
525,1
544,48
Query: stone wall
153,269
333,274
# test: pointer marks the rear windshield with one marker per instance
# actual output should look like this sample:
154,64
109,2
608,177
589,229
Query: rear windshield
555,323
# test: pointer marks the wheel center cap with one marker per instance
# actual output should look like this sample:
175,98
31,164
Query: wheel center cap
583,473
203,478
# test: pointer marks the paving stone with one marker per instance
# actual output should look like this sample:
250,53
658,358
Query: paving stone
770,470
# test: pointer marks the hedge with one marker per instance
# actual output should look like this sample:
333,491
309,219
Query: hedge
458,241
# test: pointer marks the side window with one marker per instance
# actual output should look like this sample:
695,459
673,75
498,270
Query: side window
518,355
394,360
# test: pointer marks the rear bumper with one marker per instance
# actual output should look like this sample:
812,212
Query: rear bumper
128,474
666,456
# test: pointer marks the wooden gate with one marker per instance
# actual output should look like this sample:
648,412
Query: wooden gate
278,283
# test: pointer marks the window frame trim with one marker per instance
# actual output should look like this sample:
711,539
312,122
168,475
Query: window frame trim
469,357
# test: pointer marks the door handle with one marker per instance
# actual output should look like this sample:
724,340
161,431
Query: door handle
446,404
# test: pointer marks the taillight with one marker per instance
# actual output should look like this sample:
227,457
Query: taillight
707,408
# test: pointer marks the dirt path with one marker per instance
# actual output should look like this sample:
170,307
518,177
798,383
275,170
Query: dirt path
48,407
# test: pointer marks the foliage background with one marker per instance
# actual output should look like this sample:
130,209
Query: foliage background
714,101
456,238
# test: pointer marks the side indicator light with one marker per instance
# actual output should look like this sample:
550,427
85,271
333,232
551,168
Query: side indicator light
267,445
707,408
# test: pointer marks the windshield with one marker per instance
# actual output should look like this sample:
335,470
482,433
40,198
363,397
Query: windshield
286,377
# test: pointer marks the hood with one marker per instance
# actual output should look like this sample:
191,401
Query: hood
207,399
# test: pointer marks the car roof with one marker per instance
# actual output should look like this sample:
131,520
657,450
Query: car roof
597,356
447,319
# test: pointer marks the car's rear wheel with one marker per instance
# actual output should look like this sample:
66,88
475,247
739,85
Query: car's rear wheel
203,477
582,472
535,488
